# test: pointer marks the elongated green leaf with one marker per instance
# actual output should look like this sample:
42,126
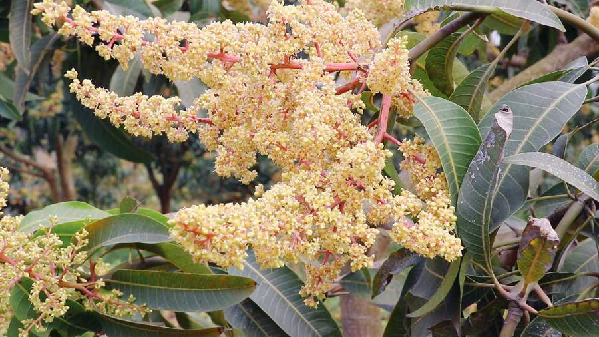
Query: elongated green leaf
125,228
479,188
441,292
116,327
39,52
168,7
578,319
8,110
589,159
107,137
248,317
190,90
470,92
580,259
65,212
540,112
139,8
395,264
20,305
537,249
454,135
559,168
525,9
76,321
123,81
175,254
358,283
7,89
20,31
278,295
16,326
539,327
439,62
182,291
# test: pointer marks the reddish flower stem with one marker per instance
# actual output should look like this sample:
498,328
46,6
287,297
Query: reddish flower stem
349,86
383,119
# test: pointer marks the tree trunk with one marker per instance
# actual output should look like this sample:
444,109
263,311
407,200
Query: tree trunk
65,152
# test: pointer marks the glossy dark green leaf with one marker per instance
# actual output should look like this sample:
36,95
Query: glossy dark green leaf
116,327
109,138
454,134
540,112
589,159
40,51
182,291
278,295
248,317
175,254
15,327
20,31
123,81
470,92
559,168
125,228
393,265
8,110
525,9
20,305
580,259
479,188
441,292
358,283
539,327
537,249
69,211
439,62
577,319
76,321
168,7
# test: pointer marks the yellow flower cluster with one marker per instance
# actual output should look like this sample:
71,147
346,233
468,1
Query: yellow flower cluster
272,91
50,106
426,23
53,270
378,11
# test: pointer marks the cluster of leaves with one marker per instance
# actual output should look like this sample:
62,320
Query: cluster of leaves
522,276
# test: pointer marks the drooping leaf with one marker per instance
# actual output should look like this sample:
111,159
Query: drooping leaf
589,159
578,319
537,249
559,168
65,212
8,110
123,81
439,62
395,264
479,188
181,291
248,317
39,52
441,292
540,112
454,134
117,327
277,294
539,327
125,228
525,9
20,31
109,138
175,254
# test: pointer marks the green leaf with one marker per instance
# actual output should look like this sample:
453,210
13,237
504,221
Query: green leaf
525,9
15,326
182,291
589,159
8,110
536,250
539,327
439,62
65,212
480,188
393,265
559,168
391,172
140,7
175,254
540,112
168,7
470,92
7,89
441,291
123,81
278,295
76,321
20,31
125,228
580,259
109,138
20,305
454,134
578,319
190,90
578,7
248,317
67,230
116,327
128,205
357,283
39,52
